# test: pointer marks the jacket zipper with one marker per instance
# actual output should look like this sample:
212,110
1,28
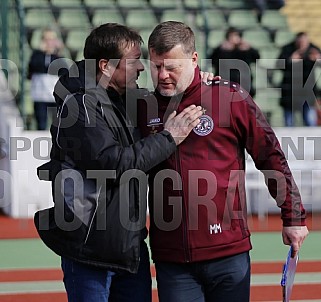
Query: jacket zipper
187,256
92,218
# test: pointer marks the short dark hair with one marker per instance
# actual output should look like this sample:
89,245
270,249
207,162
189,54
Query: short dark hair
109,40
300,34
232,30
169,34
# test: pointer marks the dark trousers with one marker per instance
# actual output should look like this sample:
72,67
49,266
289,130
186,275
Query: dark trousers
218,280
133,287
41,110
85,283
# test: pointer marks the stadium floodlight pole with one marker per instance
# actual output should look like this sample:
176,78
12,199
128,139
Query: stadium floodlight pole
4,29
206,28
22,58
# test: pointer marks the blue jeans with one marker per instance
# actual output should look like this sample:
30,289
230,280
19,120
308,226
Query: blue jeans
41,110
86,283
128,287
309,116
218,280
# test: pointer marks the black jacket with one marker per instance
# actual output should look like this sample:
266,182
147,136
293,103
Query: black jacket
298,82
248,56
97,170
40,61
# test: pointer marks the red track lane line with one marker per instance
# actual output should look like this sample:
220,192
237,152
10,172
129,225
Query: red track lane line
17,228
56,274
154,295
264,293
276,267
30,275
153,271
43,297
259,293
274,293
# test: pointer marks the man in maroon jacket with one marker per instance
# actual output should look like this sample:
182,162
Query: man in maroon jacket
199,237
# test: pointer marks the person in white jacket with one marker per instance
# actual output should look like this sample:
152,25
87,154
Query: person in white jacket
42,82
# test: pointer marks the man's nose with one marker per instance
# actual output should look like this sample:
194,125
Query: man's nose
162,73
140,66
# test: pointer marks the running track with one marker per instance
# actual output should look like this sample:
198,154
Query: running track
27,283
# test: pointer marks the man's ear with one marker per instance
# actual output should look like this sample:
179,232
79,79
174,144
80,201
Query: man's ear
194,58
104,67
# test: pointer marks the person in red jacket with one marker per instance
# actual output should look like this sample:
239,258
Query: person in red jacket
199,236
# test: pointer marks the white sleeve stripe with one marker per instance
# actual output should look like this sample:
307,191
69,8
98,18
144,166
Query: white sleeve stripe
84,103
102,110
59,117
60,112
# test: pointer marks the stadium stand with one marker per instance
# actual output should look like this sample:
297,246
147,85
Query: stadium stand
165,4
141,19
132,4
35,3
215,19
215,37
62,4
268,36
232,4
242,19
273,20
283,36
304,16
197,5
258,37
36,18
208,18
75,40
175,15
101,16
73,18
21,193
94,4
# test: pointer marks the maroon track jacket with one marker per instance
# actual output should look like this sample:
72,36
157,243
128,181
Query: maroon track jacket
197,199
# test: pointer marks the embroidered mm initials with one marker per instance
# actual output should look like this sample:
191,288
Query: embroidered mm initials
215,228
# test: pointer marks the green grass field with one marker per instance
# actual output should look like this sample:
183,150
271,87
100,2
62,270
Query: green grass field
29,256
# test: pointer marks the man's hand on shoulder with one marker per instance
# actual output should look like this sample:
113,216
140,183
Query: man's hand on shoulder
207,76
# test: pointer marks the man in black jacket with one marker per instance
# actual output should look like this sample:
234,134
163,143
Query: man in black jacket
225,56
98,171
298,60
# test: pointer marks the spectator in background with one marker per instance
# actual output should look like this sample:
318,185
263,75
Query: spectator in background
42,83
234,47
298,83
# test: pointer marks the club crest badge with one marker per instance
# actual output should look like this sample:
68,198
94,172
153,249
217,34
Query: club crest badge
205,127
